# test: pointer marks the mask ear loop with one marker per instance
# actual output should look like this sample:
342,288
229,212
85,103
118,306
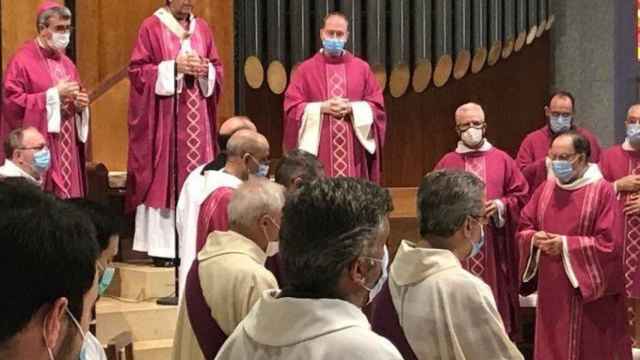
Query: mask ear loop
44,338
73,318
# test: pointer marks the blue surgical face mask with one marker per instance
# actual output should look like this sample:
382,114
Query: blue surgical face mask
563,170
560,124
476,246
633,132
41,160
263,170
91,347
105,279
333,46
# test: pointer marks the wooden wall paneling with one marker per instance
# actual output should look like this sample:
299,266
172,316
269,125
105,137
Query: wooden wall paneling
88,42
220,16
18,25
109,133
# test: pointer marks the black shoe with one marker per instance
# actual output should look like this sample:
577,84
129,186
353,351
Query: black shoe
162,262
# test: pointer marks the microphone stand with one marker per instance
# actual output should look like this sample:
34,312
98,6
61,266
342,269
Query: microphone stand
173,300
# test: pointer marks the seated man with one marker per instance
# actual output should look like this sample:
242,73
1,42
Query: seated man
49,257
444,311
229,276
333,250
26,155
298,167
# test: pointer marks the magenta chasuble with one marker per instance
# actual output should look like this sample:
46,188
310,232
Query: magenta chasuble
497,262
150,167
580,312
615,164
30,73
338,145
534,149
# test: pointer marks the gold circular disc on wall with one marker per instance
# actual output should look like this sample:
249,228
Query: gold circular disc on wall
442,73
422,75
461,67
532,34
380,73
520,41
253,72
479,59
399,80
277,77
550,21
541,27
494,53
507,49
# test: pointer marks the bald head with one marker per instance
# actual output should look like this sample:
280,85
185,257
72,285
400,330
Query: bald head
247,141
469,112
236,123
633,115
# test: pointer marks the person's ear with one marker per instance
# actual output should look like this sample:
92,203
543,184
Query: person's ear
297,182
358,272
547,111
54,319
467,228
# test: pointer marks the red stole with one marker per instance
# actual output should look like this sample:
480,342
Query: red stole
208,333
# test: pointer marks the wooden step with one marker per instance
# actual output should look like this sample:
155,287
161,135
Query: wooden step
145,320
153,349
141,282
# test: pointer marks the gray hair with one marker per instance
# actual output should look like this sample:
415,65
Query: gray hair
445,199
13,142
43,19
253,199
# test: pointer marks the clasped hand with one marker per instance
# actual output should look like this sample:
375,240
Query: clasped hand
548,243
192,64
337,106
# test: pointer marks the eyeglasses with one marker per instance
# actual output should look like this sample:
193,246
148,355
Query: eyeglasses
476,124
564,157
63,28
37,148
558,114
482,220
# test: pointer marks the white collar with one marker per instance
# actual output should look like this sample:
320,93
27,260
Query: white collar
167,18
464,149
591,176
626,146
10,169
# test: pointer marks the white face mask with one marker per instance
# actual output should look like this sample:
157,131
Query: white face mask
60,41
472,137
91,347
273,247
375,290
